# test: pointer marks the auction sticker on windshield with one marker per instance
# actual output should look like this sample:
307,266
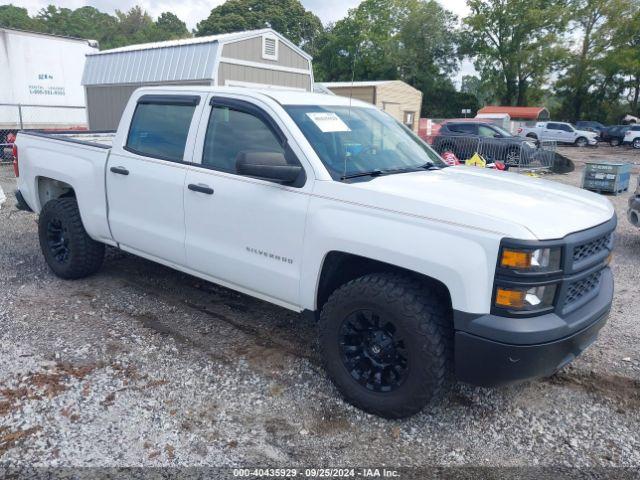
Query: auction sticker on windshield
328,122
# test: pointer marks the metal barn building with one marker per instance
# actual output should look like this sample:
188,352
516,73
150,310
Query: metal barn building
397,98
257,58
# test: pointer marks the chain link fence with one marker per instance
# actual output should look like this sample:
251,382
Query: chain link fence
514,153
15,117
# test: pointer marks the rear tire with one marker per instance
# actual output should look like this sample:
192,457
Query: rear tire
67,249
636,143
386,341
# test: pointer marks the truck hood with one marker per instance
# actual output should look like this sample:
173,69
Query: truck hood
506,203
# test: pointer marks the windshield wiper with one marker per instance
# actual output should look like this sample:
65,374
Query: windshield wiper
377,172
373,173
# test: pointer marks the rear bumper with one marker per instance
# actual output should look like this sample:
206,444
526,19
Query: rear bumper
494,350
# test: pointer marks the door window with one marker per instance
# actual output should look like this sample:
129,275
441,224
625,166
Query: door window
553,126
231,132
485,131
160,130
467,128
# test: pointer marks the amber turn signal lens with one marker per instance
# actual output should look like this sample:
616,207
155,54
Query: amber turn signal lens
510,298
515,259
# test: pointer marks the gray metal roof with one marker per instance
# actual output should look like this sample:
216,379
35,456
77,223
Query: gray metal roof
182,60
173,63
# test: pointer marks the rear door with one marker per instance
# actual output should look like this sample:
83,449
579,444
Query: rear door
146,177
552,131
244,231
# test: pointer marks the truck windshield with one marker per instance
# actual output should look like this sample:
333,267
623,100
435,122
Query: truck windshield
359,141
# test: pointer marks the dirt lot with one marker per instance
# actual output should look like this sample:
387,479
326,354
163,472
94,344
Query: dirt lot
143,366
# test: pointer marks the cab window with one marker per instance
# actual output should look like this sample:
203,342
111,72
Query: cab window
160,126
232,131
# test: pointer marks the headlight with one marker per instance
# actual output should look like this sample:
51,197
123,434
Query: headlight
526,299
538,260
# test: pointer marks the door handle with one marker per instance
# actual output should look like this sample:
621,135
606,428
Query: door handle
200,188
120,170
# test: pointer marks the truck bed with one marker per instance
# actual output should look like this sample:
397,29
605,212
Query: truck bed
99,139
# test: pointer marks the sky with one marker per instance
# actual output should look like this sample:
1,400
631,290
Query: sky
192,11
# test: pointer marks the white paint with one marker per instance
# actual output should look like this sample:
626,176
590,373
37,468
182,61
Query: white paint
265,66
419,221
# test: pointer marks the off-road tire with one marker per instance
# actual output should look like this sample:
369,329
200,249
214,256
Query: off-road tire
85,255
419,313
581,142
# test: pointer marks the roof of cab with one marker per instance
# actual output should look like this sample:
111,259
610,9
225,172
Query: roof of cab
283,97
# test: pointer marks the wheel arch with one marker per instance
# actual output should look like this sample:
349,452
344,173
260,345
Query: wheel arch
50,189
340,267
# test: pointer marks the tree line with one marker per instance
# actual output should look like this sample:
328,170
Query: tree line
579,58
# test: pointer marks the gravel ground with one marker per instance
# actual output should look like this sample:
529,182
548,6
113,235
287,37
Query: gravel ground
144,366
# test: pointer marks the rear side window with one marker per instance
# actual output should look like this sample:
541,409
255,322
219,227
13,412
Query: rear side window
160,129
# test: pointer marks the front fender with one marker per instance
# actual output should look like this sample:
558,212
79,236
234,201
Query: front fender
462,259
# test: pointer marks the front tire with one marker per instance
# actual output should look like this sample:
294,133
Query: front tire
636,143
614,142
581,142
67,249
386,341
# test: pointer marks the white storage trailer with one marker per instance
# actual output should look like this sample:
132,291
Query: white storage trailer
257,58
41,83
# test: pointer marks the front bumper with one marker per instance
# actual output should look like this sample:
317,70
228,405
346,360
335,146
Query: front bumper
493,350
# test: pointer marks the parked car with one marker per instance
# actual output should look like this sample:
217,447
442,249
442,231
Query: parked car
632,136
614,134
560,132
464,138
590,126
329,207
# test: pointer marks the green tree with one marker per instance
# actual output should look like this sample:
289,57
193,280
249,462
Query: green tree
16,17
410,40
587,45
287,17
514,43
169,27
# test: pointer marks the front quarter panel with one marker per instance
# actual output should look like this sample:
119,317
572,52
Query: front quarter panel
461,258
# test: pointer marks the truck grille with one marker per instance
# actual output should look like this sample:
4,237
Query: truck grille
591,248
582,288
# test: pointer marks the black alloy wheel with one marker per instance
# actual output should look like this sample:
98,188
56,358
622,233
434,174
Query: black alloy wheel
373,351
58,240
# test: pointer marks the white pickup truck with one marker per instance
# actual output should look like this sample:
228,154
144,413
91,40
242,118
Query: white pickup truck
415,271
559,132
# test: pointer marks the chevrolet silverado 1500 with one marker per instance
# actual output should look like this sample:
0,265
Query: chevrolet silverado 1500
416,272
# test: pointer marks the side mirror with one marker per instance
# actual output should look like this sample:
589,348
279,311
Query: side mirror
267,165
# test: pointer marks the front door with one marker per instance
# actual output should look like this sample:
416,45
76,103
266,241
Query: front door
146,178
243,231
